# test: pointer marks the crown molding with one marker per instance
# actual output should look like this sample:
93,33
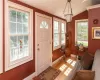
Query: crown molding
94,6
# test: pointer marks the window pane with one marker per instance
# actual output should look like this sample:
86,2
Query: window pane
13,41
20,41
12,14
19,16
56,27
12,28
25,17
19,28
62,38
26,40
56,40
62,28
82,33
25,28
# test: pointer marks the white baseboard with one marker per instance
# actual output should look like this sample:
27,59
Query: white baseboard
30,77
57,60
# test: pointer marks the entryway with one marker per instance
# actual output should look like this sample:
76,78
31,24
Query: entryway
43,42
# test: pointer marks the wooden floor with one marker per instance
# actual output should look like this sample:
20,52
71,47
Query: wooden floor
63,65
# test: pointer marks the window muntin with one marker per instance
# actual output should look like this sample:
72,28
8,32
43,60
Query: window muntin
82,32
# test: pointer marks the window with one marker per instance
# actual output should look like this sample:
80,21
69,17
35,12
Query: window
82,32
56,34
59,30
19,36
63,31
1,31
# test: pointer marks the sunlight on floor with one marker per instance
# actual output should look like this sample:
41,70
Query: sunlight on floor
73,63
69,61
67,71
62,68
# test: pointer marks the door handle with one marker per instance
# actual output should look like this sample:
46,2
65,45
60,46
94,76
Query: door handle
38,49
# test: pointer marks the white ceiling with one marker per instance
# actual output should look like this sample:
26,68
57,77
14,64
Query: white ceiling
56,7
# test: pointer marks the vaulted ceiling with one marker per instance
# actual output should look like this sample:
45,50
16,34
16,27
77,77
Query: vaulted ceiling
56,7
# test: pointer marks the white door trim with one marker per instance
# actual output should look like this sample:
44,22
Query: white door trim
1,36
36,14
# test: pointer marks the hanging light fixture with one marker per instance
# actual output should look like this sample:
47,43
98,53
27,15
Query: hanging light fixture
68,11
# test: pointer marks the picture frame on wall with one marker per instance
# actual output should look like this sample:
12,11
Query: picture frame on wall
96,33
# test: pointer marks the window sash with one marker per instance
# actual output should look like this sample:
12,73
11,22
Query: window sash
81,30
9,65
61,24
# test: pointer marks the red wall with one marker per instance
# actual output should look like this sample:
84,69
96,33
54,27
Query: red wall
71,28
93,43
26,69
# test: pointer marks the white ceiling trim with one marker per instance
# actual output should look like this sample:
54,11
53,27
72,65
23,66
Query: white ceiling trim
94,6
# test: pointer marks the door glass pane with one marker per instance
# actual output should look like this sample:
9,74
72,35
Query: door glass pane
12,28
12,14
44,25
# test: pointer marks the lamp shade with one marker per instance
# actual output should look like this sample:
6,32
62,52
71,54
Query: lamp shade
68,17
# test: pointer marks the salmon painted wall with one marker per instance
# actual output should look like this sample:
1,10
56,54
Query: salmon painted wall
28,68
93,43
71,28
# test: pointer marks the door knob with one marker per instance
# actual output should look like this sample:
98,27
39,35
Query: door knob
38,49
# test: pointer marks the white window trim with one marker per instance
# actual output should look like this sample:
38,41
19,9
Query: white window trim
76,27
9,65
65,31
1,36
59,24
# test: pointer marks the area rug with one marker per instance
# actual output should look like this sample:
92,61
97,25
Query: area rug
49,74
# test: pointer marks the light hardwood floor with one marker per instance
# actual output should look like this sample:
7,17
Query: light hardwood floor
65,66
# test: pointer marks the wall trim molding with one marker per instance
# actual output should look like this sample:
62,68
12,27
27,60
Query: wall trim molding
57,60
94,6
30,77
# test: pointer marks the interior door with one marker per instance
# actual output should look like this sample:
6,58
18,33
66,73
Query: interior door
43,42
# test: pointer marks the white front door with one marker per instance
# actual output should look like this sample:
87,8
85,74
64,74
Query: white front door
43,42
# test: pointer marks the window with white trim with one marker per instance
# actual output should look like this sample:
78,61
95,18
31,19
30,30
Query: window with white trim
1,36
19,35
63,32
59,30
56,34
81,32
